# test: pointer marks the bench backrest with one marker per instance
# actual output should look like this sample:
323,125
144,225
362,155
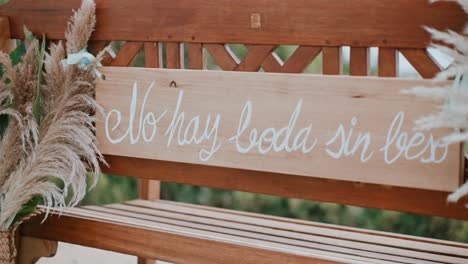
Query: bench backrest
317,27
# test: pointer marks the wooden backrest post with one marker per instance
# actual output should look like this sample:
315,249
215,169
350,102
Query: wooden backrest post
6,43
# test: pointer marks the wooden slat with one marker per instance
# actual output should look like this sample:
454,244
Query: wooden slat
332,60
390,23
146,261
6,44
174,56
225,93
324,238
196,56
223,56
308,227
367,195
218,234
297,63
272,63
127,53
422,61
149,190
255,230
254,58
152,55
163,242
300,59
304,231
388,62
359,63
97,46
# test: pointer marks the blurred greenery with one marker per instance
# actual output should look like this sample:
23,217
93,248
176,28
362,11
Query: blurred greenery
114,189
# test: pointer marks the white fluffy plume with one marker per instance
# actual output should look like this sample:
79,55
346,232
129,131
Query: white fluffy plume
454,114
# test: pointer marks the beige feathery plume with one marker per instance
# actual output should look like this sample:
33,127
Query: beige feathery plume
66,148
80,27
22,133
454,114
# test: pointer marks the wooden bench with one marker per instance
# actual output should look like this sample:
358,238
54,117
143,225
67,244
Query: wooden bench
184,233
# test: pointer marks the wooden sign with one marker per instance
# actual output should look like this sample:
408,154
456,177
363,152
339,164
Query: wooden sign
346,128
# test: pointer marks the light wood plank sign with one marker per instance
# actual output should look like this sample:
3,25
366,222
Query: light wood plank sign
346,128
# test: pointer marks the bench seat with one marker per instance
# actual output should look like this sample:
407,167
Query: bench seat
185,233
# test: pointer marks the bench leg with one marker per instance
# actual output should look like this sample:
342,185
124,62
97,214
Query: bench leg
149,190
32,249
6,44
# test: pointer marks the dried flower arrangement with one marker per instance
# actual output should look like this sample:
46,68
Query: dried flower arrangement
47,136
454,114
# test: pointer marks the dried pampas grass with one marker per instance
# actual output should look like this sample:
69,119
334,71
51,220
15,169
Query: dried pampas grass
454,114
50,156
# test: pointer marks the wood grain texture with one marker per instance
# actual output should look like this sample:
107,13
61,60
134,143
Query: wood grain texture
296,63
324,240
219,230
409,200
281,235
332,61
152,55
223,56
388,62
127,53
174,55
300,59
146,261
6,43
254,58
388,23
149,190
240,220
273,98
272,63
310,227
32,249
164,242
196,56
97,46
359,64
422,61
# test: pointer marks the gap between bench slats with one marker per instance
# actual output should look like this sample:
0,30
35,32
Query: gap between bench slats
353,234
346,240
142,238
264,234
137,223
361,234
